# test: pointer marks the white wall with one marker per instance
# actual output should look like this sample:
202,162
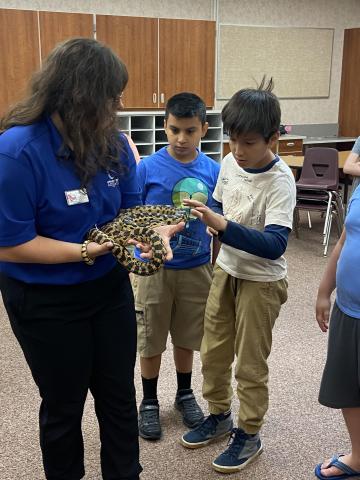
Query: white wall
337,14
199,9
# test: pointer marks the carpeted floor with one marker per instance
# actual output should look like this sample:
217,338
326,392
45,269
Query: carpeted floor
297,434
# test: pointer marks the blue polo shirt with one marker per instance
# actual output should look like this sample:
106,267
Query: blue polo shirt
36,175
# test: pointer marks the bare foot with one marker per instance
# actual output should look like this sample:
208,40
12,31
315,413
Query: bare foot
334,471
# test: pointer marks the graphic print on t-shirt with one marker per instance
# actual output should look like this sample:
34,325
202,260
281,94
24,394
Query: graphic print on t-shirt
195,189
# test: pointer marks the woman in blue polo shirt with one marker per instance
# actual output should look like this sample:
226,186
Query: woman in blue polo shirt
63,169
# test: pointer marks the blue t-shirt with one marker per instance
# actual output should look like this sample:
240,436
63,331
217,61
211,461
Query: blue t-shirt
36,175
348,266
166,181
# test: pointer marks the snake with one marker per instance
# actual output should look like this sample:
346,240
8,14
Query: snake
139,223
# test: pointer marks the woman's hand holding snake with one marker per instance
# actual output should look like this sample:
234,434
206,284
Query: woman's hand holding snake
166,232
95,250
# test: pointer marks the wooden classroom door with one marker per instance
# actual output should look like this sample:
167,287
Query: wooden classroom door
349,106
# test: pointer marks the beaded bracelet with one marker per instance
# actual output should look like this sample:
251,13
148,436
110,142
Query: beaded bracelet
84,253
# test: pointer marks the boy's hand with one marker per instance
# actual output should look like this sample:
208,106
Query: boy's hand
210,231
323,305
206,215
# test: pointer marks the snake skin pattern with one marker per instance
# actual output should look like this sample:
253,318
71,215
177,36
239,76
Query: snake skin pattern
139,223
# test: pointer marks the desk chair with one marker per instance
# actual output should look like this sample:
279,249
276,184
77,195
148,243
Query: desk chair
318,190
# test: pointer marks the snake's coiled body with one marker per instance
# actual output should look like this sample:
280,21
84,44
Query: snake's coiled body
139,223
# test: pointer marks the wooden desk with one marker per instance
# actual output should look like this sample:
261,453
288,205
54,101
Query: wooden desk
297,163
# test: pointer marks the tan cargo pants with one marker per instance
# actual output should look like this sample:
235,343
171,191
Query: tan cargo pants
239,318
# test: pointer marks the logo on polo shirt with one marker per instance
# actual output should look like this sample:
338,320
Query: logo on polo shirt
113,182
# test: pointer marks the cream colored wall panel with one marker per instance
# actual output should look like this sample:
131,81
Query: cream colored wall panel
305,13
199,10
247,53
300,13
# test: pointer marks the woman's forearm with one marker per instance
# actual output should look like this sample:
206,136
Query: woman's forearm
42,250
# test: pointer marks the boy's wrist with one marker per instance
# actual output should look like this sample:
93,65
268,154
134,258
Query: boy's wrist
223,225
225,222
324,293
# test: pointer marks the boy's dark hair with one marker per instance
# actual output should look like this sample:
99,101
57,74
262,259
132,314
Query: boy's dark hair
186,105
253,110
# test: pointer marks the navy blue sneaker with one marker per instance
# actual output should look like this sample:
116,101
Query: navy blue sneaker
242,449
190,410
214,426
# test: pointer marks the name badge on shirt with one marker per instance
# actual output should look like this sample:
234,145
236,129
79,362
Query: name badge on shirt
74,197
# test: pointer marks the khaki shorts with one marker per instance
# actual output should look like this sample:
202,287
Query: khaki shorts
171,301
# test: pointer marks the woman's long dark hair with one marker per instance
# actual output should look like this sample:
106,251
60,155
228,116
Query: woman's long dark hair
81,79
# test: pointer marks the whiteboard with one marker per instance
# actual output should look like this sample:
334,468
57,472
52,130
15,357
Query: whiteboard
298,59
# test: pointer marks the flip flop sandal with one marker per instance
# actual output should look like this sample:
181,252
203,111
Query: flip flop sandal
335,462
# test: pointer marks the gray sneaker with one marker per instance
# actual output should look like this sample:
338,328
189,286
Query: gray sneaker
242,449
190,410
214,426
149,421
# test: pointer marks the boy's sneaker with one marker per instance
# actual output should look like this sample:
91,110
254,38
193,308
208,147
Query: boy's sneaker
149,420
214,426
242,449
191,412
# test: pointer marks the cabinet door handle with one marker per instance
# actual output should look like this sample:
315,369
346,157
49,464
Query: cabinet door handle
154,98
290,144
162,98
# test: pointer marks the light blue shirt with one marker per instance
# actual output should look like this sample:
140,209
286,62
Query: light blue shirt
348,267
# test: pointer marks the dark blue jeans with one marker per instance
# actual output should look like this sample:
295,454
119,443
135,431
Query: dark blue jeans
78,338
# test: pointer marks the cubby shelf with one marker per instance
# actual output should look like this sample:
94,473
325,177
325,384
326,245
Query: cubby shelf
146,128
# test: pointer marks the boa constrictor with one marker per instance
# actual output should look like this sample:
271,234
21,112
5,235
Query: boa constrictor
139,223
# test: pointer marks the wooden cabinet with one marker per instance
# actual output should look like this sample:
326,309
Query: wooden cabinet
163,56
19,54
349,106
135,41
290,146
187,58
56,27
27,35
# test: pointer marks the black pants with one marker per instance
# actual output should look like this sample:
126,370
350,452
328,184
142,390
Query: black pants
76,338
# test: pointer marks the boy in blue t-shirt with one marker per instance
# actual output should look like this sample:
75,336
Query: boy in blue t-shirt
167,302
